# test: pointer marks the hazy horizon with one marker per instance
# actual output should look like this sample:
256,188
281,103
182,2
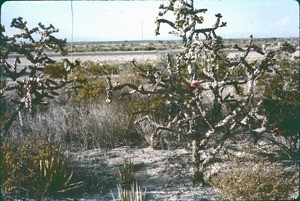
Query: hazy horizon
134,20
149,40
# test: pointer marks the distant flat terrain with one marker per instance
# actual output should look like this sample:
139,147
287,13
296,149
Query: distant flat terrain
124,56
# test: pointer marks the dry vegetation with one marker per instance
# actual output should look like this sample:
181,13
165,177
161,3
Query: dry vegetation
96,134
90,143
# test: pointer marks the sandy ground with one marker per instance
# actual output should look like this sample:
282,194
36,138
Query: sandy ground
103,57
166,174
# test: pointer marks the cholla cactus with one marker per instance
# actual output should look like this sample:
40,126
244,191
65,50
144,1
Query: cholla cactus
208,101
31,84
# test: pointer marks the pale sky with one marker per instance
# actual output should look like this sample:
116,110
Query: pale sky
134,20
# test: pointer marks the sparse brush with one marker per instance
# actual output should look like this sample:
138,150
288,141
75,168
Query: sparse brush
82,126
255,181
135,194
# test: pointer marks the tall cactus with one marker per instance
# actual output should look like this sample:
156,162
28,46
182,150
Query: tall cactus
30,83
206,98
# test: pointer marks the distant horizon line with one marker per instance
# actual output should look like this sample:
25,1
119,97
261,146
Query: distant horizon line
145,40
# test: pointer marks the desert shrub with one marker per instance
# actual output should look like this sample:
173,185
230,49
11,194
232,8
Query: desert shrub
93,83
255,181
81,126
131,73
150,48
91,90
282,99
153,105
98,69
56,71
36,168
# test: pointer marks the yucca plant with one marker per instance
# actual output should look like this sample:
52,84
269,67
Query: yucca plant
54,172
126,172
36,169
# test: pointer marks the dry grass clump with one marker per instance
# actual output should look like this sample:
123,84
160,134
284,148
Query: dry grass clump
82,126
135,194
126,173
255,181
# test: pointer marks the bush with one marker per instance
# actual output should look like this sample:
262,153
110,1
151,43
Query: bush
91,75
154,105
131,73
56,71
91,90
255,181
282,99
98,69
36,168
82,126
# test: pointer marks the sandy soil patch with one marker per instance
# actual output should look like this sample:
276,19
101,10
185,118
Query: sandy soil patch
166,174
